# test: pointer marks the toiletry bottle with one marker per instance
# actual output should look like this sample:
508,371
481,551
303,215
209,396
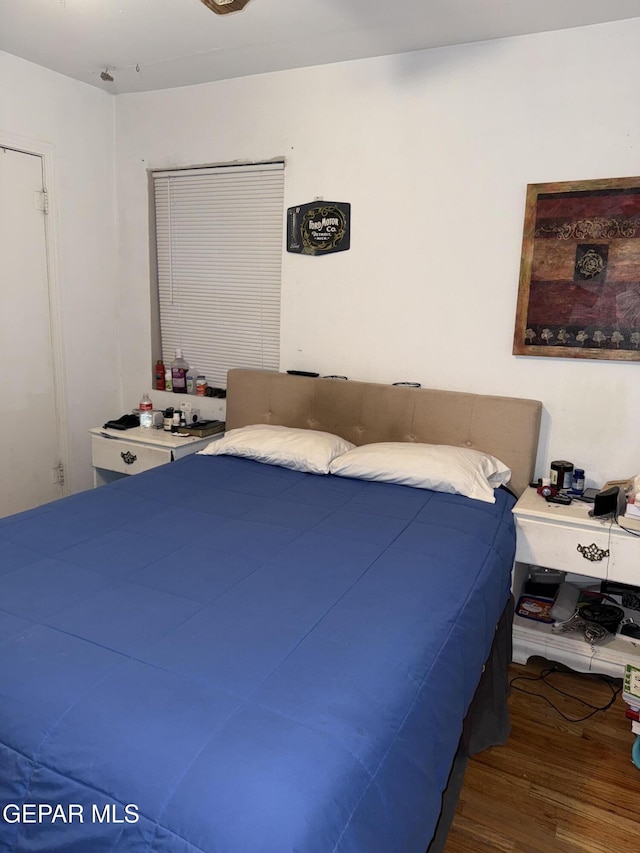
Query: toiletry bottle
577,481
146,411
179,368
191,381
159,375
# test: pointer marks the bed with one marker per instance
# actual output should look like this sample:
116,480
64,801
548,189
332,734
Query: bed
222,655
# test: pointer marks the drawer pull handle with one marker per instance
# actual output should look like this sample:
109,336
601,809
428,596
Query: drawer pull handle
128,458
593,553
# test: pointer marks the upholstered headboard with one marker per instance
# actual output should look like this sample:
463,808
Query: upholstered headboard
364,412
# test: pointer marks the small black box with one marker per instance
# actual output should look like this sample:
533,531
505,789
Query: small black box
613,501
546,590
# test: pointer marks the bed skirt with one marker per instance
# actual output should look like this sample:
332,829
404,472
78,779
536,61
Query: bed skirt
486,724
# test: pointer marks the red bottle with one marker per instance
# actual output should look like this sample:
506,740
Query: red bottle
159,374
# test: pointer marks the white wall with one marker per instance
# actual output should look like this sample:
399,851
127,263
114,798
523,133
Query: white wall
39,105
434,151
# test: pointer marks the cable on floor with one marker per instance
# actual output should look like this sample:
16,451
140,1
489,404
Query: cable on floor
544,677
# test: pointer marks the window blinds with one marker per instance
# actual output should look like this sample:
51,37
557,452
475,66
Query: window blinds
219,255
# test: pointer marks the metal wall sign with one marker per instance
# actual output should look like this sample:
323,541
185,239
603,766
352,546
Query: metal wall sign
319,227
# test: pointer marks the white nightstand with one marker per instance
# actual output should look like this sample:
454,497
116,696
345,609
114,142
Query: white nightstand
567,538
115,453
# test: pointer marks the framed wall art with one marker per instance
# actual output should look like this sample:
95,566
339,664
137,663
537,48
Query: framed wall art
579,291
319,228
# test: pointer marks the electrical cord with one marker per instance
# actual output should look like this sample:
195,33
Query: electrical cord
544,675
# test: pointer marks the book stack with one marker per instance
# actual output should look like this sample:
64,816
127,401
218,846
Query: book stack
202,429
631,695
631,517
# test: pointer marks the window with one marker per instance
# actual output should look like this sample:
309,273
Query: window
219,261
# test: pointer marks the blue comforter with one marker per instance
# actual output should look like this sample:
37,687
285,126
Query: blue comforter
221,656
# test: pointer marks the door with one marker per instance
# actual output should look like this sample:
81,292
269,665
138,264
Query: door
30,470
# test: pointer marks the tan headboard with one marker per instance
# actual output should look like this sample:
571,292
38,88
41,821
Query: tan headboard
364,412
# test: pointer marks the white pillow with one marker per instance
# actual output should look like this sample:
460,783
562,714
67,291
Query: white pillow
306,450
455,470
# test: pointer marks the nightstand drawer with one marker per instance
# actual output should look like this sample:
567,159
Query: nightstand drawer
126,457
556,546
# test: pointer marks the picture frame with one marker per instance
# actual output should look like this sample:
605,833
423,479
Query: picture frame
319,227
579,287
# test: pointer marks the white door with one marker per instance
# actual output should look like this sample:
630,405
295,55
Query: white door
29,443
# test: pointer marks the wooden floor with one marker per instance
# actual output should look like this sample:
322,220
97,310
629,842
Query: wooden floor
556,786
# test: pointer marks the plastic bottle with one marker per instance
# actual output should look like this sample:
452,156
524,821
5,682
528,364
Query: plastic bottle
201,385
168,381
146,411
179,368
577,481
159,375
191,381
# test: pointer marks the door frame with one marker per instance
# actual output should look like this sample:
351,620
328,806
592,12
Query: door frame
45,151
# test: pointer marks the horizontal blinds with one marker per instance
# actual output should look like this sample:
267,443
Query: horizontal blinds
219,254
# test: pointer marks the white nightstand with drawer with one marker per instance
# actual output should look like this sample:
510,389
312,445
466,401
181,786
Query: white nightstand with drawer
567,538
121,452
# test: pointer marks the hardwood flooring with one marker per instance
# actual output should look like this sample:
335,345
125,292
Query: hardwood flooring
556,786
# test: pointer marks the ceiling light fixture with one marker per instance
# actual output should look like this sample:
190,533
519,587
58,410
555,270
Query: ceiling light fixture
104,75
223,7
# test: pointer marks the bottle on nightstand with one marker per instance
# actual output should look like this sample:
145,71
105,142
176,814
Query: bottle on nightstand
577,481
146,411
179,368
159,375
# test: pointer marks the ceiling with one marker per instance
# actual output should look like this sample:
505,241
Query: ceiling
157,44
